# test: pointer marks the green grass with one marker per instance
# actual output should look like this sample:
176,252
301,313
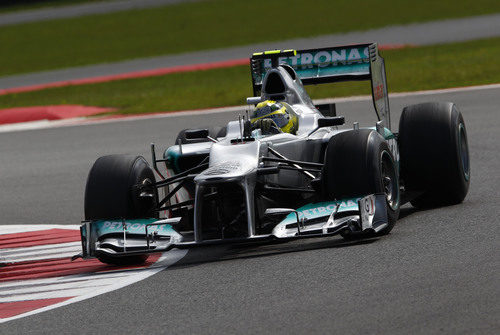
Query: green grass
422,68
206,25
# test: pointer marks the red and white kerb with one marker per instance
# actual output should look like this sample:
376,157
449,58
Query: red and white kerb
37,274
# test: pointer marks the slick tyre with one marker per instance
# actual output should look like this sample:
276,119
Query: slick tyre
434,154
358,163
112,193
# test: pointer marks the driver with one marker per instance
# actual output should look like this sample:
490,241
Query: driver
273,117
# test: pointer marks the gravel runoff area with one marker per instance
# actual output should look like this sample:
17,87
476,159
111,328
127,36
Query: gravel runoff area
446,31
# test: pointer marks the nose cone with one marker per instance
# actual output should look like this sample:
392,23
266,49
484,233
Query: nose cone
230,162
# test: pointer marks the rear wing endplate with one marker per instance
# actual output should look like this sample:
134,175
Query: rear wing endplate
329,65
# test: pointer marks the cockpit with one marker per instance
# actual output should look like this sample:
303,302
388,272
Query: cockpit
281,106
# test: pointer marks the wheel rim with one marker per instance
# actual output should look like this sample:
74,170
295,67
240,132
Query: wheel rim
464,151
389,181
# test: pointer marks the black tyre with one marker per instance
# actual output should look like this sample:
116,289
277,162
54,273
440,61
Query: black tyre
358,163
213,132
434,154
112,193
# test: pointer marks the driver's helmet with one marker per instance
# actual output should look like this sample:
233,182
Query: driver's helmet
281,115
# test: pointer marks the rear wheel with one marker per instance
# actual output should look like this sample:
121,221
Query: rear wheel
434,154
358,163
112,193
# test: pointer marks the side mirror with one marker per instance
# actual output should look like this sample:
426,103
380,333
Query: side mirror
192,134
254,100
331,121
327,109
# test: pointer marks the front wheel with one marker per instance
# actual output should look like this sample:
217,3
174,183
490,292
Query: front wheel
359,163
111,193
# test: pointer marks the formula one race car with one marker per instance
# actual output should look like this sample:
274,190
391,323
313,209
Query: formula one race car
288,171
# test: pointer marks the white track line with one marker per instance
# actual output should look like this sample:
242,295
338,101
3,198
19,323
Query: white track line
78,278
410,94
40,248
48,251
13,229
53,290
165,261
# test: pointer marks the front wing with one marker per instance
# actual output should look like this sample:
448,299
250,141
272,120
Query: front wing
143,236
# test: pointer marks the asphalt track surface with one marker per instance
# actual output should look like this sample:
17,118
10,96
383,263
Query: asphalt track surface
92,8
437,272
435,32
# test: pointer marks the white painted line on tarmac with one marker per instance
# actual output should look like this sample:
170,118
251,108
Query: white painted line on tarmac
12,229
411,94
165,261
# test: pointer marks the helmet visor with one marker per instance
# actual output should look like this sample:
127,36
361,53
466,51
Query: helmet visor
273,112
281,119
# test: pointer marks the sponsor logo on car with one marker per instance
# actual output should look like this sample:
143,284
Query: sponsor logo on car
323,210
133,226
325,58
317,210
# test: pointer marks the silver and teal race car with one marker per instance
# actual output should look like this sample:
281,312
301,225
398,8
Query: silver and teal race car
239,183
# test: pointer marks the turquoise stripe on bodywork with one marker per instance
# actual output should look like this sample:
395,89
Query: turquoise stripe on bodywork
172,155
387,133
322,209
104,227
388,136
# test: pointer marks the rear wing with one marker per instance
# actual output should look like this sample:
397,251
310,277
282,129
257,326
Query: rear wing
330,65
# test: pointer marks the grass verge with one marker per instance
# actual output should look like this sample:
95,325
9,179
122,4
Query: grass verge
204,25
432,67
